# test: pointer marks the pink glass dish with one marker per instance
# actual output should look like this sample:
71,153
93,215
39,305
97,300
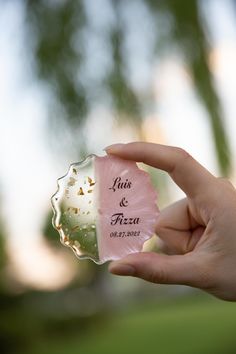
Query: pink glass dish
105,208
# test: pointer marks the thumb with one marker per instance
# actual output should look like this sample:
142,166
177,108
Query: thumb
157,268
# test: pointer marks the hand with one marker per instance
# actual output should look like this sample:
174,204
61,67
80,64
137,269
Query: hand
198,231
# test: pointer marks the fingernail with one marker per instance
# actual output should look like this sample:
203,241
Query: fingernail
121,269
113,147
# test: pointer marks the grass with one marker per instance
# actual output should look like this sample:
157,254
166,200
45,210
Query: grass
196,325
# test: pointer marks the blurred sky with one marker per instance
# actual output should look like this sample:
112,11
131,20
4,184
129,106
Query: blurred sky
29,167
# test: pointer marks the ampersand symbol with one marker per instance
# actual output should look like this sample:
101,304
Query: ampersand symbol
124,202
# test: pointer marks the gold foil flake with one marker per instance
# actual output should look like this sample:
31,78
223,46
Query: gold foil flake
76,210
75,228
90,181
90,191
66,241
58,227
71,182
75,171
80,192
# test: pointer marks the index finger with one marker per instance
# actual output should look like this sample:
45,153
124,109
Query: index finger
187,173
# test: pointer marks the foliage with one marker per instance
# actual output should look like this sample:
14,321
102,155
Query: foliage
60,39
55,26
196,324
189,33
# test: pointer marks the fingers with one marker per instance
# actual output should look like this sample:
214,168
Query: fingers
191,177
174,227
179,242
177,216
178,229
157,268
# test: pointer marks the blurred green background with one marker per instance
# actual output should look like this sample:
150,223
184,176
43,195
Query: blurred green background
76,76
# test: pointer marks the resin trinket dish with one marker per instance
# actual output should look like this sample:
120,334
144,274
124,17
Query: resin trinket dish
105,208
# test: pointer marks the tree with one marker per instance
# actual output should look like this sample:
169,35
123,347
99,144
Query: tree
58,26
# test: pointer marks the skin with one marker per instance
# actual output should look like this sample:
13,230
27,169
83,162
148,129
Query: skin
198,232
